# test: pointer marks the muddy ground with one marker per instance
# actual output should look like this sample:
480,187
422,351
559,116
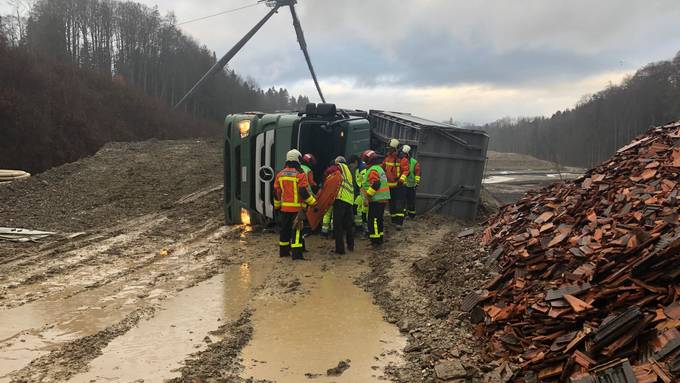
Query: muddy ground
144,283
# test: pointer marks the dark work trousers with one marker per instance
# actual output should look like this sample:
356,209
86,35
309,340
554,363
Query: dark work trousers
376,222
343,226
411,201
290,239
398,204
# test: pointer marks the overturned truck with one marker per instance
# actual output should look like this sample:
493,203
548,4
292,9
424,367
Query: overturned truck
452,159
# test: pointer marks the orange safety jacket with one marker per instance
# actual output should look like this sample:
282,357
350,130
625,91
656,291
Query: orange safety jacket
292,190
396,169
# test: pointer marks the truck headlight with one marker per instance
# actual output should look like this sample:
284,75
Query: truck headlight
245,217
244,128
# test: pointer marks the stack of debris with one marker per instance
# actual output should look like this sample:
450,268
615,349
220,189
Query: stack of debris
589,272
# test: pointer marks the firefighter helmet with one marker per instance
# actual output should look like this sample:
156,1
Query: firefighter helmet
366,155
293,155
309,159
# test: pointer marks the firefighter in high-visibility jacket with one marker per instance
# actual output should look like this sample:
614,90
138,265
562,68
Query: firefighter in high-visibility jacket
292,196
396,169
362,199
356,165
412,181
343,209
378,195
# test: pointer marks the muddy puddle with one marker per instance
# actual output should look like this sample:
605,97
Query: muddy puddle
336,321
32,330
154,349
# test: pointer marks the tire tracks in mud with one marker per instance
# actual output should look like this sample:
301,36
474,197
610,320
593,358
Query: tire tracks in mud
111,257
73,357
199,249
63,363
219,362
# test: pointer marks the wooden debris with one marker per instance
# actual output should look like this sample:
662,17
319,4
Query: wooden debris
589,271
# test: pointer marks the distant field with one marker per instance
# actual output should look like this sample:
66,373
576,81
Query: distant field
515,161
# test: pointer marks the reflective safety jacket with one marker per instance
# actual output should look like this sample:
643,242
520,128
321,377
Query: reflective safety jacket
310,176
346,193
413,178
292,190
396,169
375,183
359,179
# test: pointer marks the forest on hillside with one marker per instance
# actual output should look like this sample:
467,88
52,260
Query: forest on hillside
599,124
138,46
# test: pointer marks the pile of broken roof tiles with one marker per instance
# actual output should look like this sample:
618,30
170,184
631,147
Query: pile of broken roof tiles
588,288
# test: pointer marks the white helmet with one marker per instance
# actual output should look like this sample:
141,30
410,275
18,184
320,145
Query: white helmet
406,149
340,159
293,155
394,143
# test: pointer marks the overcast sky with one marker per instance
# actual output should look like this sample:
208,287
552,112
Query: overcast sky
476,61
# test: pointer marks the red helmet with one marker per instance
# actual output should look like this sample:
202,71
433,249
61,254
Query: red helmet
366,155
309,159
372,157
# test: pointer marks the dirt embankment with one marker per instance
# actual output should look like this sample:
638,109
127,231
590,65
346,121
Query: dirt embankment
121,181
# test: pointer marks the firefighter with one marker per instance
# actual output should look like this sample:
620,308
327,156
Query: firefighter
378,195
396,170
361,177
327,222
342,209
291,198
309,162
356,166
412,181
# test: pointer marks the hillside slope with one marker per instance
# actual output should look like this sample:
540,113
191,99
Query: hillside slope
53,113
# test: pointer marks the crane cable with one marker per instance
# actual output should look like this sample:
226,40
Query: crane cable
219,14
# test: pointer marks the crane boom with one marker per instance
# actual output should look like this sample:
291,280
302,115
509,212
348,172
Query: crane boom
228,56
219,65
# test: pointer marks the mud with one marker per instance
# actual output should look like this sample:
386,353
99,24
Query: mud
153,349
145,283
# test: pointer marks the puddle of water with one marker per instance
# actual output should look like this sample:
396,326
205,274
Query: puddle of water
155,347
72,318
336,321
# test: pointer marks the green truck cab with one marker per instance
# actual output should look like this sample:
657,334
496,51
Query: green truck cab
255,150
